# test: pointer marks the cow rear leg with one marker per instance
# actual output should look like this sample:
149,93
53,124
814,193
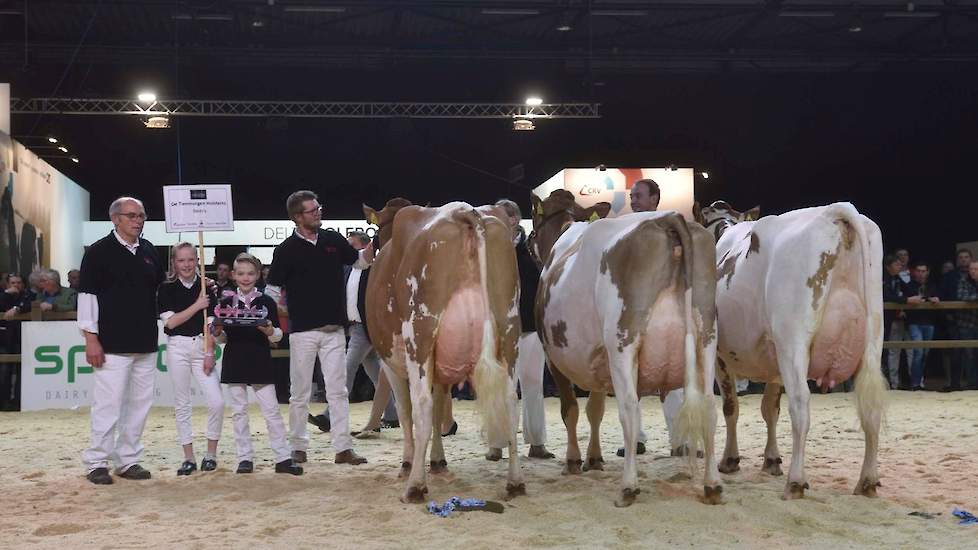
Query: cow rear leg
440,393
771,410
421,403
568,413
624,372
515,486
794,370
595,412
730,462
402,398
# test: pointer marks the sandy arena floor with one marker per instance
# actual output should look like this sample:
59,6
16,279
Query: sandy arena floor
928,463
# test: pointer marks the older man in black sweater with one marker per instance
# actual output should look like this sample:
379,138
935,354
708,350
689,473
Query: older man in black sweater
117,315
308,266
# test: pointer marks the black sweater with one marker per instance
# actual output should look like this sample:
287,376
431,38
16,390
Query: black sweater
529,281
312,276
174,296
125,285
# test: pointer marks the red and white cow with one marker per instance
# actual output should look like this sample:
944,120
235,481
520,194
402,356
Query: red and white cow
442,307
626,305
799,297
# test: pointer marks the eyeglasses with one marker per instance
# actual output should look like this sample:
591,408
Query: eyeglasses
133,215
318,209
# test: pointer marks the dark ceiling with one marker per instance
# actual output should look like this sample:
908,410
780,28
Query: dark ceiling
785,103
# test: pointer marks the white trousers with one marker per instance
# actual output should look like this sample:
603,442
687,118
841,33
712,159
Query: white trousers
268,404
185,359
529,372
121,398
359,351
330,346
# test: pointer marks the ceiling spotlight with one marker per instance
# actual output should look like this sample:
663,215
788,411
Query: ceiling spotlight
62,148
157,122
521,124
146,97
52,140
855,24
74,159
257,23
706,175
565,28
534,101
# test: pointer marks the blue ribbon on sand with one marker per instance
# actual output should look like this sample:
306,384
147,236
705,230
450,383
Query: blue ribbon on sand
451,504
967,518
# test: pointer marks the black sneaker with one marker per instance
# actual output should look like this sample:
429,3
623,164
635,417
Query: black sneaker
99,476
188,467
245,467
136,473
288,467
208,465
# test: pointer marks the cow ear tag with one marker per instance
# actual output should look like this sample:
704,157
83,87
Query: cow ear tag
594,216
373,218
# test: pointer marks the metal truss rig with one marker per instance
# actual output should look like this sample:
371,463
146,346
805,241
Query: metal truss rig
300,109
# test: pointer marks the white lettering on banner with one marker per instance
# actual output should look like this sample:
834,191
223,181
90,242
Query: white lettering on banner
55,374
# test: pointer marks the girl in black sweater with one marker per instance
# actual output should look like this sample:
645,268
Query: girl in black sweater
247,362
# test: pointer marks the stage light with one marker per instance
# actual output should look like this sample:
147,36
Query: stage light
53,140
74,159
63,149
523,125
146,97
706,175
534,101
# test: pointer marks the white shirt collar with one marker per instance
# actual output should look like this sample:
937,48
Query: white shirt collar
303,237
130,247
186,284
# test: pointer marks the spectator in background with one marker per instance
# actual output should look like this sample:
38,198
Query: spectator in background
903,255
13,300
957,286
34,284
947,267
224,281
968,328
74,279
894,291
53,296
920,322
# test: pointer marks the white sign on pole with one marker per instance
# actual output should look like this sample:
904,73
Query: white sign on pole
198,208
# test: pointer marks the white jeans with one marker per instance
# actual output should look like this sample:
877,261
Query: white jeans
529,371
330,346
359,351
185,356
268,403
121,398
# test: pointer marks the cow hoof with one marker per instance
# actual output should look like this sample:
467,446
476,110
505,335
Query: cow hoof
494,455
594,463
683,450
439,466
540,451
867,488
772,466
627,497
414,495
794,490
405,470
572,467
729,465
514,490
713,495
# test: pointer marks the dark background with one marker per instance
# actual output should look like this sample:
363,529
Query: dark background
781,116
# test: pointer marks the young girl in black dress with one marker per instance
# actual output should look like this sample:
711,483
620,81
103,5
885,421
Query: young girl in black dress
247,361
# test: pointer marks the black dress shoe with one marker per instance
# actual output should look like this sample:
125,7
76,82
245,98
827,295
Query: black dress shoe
136,472
245,467
320,421
208,465
390,424
188,467
99,476
288,467
451,431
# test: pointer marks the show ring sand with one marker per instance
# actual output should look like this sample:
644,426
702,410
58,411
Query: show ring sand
927,463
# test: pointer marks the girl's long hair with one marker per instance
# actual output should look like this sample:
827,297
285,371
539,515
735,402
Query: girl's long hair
172,274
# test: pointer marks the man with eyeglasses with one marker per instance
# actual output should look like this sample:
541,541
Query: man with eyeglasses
117,315
308,266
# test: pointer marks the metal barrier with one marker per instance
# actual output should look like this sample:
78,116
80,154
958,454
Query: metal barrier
932,344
